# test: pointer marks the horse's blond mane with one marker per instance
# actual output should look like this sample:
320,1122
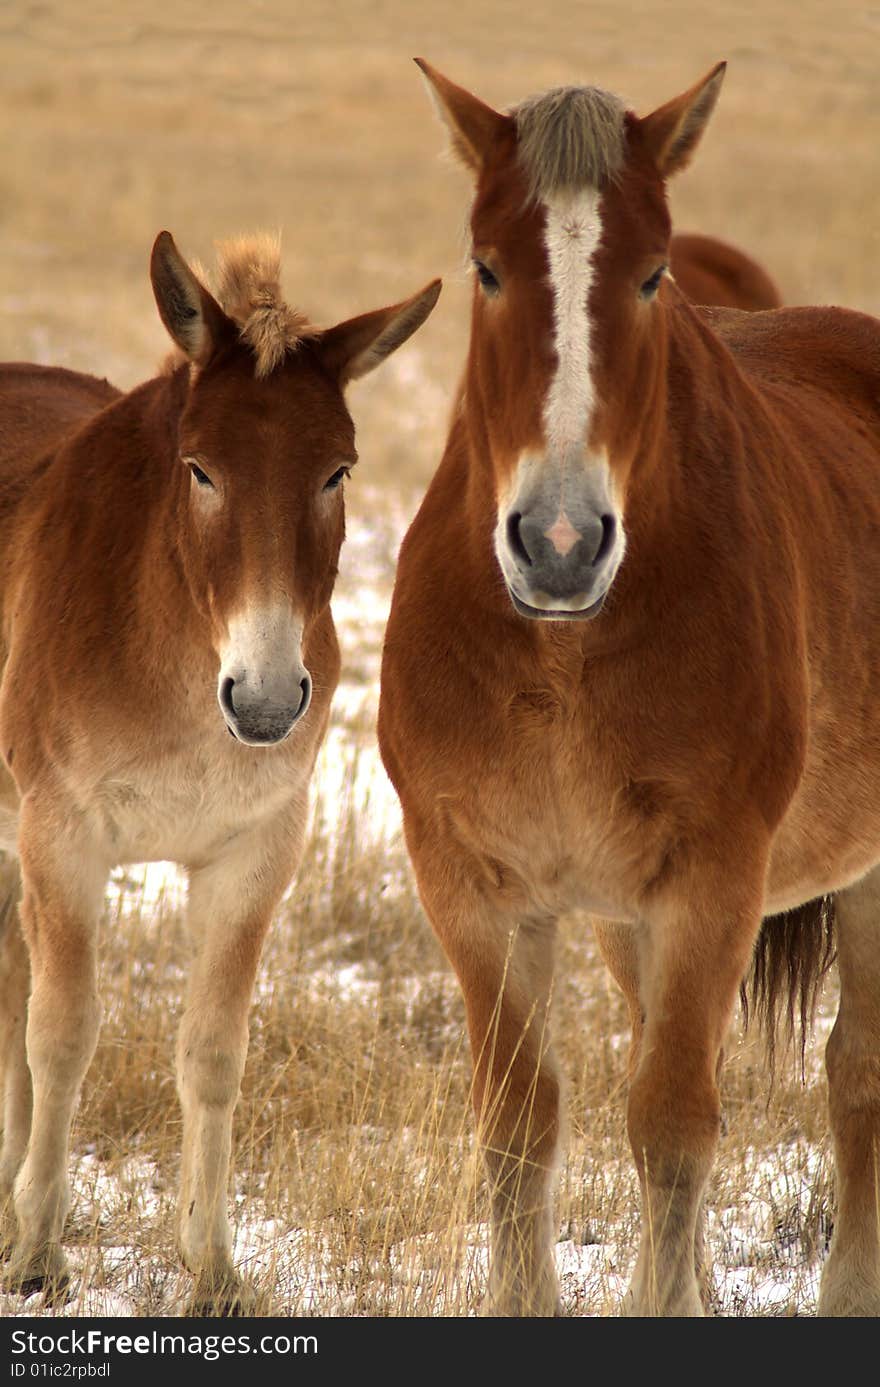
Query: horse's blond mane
570,137
248,289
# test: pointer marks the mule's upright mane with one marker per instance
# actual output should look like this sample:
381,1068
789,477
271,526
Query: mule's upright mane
570,137
249,291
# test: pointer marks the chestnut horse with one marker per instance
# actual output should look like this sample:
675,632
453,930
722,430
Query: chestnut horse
710,271
169,657
633,666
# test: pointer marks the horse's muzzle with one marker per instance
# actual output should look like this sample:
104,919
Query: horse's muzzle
556,570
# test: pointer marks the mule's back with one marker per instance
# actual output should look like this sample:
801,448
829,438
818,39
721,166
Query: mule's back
40,406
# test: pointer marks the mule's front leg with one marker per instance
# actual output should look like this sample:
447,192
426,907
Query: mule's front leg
63,892
697,947
231,903
16,1077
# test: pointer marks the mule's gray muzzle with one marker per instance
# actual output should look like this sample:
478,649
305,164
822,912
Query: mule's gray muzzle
258,720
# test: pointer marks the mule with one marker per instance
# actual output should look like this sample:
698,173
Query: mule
713,272
632,667
169,656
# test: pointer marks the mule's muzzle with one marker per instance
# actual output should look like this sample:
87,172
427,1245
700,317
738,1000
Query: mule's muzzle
261,721
556,568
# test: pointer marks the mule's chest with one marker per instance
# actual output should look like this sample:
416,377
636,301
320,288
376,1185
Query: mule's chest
184,808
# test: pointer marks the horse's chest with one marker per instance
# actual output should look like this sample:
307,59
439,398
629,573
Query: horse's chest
546,803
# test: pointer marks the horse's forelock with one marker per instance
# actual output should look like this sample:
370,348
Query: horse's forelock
569,138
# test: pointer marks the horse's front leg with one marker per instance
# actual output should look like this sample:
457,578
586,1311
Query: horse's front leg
63,887
851,1276
698,941
502,951
231,903
622,947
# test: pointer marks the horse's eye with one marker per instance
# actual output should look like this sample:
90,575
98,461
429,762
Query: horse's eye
201,477
650,286
333,482
486,277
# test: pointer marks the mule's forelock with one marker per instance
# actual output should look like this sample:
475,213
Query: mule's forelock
249,291
570,138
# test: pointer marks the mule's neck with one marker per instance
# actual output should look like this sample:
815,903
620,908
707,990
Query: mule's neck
154,518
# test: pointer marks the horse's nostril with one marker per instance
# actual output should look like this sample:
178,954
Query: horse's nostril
226,696
609,529
514,538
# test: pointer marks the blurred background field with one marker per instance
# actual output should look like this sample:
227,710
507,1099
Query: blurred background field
356,1189
210,118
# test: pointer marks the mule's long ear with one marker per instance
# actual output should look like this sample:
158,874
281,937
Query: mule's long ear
195,321
357,346
473,125
673,131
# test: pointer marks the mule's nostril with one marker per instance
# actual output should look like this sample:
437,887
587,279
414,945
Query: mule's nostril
226,702
514,538
306,687
609,529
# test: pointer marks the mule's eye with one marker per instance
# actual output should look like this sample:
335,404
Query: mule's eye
650,286
333,482
486,277
201,477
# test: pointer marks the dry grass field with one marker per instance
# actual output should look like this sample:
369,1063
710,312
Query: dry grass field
356,1188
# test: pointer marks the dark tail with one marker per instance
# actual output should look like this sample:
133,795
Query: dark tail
793,953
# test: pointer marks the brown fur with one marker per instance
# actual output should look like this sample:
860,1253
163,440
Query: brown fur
682,751
167,559
710,271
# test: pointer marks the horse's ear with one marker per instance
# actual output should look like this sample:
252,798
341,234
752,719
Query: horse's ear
355,347
673,131
473,125
195,321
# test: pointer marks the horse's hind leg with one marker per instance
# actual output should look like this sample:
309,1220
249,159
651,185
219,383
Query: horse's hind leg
618,945
63,891
14,1072
851,1277
231,903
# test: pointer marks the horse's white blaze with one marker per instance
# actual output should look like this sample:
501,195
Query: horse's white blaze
573,231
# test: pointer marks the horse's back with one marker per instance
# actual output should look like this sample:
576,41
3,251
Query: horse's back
710,271
829,352
40,406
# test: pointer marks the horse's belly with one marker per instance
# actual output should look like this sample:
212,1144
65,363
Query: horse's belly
829,839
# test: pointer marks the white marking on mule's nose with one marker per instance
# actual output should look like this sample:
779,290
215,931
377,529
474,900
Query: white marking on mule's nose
562,534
